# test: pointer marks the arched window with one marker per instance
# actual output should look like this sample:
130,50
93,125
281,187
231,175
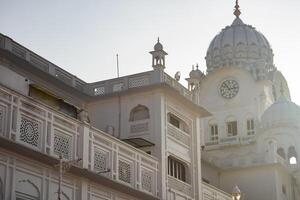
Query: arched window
292,155
250,127
281,153
139,112
213,130
231,126
177,169
177,122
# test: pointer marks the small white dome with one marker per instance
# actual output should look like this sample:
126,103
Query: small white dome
158,46
196,74
239,45
281,112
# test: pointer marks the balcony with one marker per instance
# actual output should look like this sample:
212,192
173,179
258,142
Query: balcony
178,185
210,192
179,135
32,124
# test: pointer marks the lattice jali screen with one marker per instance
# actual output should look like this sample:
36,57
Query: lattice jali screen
100,160
125,172
138,82
99,90
63,145
30,131
147,180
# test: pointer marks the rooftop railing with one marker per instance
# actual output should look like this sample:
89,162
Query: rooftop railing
41,63
94,89
210,192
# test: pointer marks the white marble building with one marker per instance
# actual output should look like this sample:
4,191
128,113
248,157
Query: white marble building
146,136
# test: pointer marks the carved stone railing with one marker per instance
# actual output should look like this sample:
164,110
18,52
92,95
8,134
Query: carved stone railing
39,127
40,63
210,192
178,135
178,185
128,165
139,80
94,89
228,141
123,83
177,86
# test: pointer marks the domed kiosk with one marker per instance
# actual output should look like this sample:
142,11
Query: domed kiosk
240,45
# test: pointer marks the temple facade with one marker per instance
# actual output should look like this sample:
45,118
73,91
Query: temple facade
232,131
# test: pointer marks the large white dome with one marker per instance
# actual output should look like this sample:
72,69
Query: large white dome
240,45
282,112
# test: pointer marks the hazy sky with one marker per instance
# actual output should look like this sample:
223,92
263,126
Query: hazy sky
84,36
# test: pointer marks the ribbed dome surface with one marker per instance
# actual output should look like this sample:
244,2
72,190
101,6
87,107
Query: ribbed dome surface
239,45
281,112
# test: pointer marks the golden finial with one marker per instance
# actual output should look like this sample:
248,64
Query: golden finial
237,11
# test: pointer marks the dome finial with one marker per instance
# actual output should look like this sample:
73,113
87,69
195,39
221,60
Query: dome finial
237,11
157,39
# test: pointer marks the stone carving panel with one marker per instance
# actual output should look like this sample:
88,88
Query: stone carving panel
147,180
30,131
62,145
125,172
100,161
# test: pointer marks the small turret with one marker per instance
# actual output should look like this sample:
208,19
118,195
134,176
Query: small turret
158,56
195,78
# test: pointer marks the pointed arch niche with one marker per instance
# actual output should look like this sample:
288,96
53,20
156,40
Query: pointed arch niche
140,112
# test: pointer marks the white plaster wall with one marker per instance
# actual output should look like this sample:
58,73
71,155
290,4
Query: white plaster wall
257,183
105,113
210,173
13,80
252,99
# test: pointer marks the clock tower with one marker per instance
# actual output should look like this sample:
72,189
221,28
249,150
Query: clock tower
240,84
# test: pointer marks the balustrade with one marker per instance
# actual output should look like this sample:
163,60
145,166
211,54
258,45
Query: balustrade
210,192
179,135
37,126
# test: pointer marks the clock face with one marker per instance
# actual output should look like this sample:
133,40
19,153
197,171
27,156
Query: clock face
229,89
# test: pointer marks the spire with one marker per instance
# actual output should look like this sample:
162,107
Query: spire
237,11
157,39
